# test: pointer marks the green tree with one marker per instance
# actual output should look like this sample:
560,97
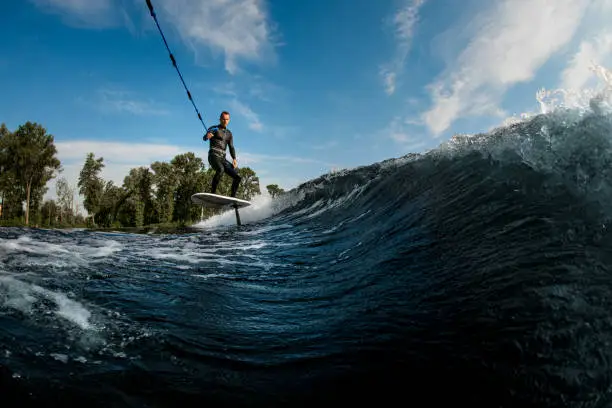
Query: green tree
4,168
248,188
111,204
36,201
249,185
49,212
191,179
91,185
65,200
139,183
165,181
12,196
274,190
31,154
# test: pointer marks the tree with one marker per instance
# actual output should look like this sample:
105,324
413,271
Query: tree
91,185
65,198
31,154
139,183
4,174
248,188
249,185
274,190
49,212
165,181
189,170
111,202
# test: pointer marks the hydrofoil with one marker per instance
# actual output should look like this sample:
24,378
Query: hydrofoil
220,201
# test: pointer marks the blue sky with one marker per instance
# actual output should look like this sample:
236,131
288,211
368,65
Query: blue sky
311,86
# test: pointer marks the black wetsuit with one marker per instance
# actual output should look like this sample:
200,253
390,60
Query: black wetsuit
221,139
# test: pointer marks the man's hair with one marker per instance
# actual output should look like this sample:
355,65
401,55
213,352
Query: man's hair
224,113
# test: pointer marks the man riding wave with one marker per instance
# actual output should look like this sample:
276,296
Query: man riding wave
220,138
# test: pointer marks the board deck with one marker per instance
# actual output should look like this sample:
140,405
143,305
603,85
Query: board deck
218,201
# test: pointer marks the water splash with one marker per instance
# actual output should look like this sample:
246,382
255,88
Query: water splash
596,100
262,206
579,102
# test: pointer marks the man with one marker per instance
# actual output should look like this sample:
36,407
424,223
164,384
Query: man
221,137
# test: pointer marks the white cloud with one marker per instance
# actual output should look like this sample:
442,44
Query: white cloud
118,157
117,152
285,170
242,109
88,13
330,145
250,159
240,29
404,22
512,41
124,101
396,130
597,50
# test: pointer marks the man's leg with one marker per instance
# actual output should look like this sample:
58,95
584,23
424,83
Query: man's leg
215,181
231,171
217,164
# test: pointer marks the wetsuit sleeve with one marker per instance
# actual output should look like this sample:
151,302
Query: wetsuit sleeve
209,130
230,143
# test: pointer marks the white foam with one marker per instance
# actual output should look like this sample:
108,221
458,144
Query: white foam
211,275
18,294
60,357
60,255
23,296
262,206
107,248
597,100
72,310
26,244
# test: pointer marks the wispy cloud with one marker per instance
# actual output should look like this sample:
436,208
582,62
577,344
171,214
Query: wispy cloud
240,29
325,146
404,22
397,130
265,91
597,50
254,158
88,13
123,101
512,40
242,109
251,86
117,152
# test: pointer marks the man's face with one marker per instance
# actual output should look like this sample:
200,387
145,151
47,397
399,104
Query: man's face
224,120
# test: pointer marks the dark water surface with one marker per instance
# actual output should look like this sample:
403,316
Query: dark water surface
477,274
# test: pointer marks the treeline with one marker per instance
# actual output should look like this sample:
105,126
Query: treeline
158,194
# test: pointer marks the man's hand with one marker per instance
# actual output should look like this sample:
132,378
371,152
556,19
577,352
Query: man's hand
209,135
235,163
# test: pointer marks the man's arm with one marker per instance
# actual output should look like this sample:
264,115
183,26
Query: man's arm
232,151
230,143
209,133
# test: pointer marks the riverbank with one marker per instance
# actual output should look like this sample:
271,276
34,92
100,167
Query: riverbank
145,229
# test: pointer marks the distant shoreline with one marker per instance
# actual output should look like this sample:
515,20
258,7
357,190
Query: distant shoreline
139,230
